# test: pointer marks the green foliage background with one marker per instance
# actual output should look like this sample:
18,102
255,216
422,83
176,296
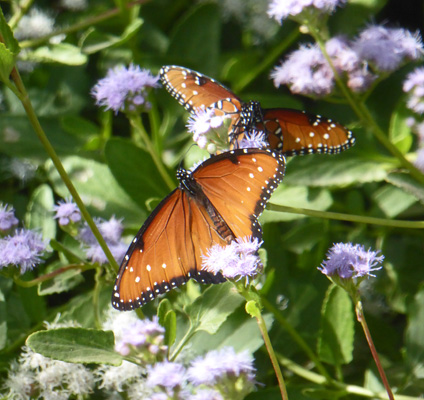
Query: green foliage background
116,176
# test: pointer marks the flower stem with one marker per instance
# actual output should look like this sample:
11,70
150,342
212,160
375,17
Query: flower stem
51,275
26,102
363,113
347,217
338,386
361,319
297,338
253,310
190,332
267,61
136,123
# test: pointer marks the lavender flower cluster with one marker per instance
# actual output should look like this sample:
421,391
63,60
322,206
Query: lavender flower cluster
376,51
414,88
217,375
22,247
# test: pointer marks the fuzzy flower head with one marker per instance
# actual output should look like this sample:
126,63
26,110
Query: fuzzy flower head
168,377
35,24
388,48
237,260
125,89
24,249
283,9
67,212
7,218
347,62
111,231
144,339
253,139
419,162
414,87
35,376
226,368
346,260
305,71
210,130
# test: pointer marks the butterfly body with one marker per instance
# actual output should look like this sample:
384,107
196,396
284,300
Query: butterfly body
292,132
216,203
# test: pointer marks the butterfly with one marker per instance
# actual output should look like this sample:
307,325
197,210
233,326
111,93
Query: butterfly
292,132
216,203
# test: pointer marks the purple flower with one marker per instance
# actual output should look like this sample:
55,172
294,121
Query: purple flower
144,335
253,139
346,60
7,217
218,365
282,9
414,86
67,211
23,249
111,231
305,71
387,48
350,261
166,375
125,89
238,259
419,162
209,130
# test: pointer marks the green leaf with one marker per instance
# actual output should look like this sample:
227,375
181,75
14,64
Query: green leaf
196,39
163,308
3,321
212,308
40,212
414,336
95,41
392,200
311,171
170,328
76,345
399,132
9,49
239,331
335,342
298,196
101,193
135,171
60,283
62,53
408,184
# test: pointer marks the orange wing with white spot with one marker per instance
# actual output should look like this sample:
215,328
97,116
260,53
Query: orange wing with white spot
217,203
297,133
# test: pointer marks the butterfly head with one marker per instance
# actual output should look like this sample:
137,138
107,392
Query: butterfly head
186,180
251,114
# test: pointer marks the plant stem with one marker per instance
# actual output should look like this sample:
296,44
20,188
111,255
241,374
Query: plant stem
339,386
253,310
269,59
136,123
296,337
347,217
190,332
361,319
46,277
26,102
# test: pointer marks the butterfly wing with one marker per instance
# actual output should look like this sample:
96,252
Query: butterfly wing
247,178
298,133
196,91
232,191
166,252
